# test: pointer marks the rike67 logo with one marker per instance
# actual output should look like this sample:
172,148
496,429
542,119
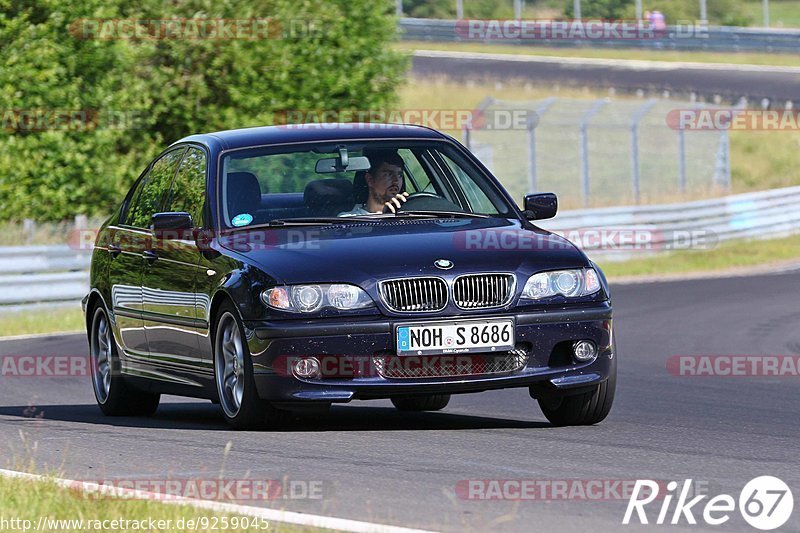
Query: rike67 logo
765,503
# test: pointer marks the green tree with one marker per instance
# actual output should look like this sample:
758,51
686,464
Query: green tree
323,55
599,9
446,9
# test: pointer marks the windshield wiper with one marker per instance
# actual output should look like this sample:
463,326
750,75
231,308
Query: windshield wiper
307,221
443,214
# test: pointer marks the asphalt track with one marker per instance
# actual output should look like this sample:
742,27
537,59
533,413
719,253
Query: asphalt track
380,465
729,82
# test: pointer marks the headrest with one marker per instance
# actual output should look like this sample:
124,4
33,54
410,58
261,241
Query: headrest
328,197
244,193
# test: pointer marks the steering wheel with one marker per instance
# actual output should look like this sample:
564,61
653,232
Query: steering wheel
427,201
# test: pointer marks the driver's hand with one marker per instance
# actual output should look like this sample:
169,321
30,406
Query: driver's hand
394,204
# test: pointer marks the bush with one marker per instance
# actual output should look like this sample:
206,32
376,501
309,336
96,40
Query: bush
336,58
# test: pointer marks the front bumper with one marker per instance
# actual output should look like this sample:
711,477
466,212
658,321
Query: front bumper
545,336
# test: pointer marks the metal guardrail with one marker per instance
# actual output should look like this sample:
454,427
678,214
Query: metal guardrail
722,38
689,225
39,274
33,274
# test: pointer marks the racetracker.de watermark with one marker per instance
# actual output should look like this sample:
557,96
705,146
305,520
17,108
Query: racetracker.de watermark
452,362
554,489
436,118
784,366
217,489
44,366
575,30
246,240
626,239
81,120
734,119
193,29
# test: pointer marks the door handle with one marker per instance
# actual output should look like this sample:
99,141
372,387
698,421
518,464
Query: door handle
114,250
150,256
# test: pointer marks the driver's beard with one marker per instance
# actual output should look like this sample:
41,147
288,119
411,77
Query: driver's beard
382,199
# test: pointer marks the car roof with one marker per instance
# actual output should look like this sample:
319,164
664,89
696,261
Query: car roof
260,136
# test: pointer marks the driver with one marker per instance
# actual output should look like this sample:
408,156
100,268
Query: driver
384,181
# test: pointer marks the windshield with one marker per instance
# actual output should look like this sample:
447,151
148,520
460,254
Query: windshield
320,181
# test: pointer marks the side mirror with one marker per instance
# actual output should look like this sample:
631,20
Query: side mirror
540,206
173,226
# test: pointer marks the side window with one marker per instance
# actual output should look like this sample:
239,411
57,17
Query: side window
150,198
133,194
478,200
419,178
189,188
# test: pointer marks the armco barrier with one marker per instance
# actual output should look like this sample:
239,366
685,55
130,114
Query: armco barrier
32,274
723,38
750,215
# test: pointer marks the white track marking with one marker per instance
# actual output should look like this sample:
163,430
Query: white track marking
272,515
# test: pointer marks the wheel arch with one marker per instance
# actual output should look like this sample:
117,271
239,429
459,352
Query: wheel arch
93,298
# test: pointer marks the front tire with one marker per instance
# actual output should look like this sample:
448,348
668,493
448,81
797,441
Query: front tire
433,402
582,409
233,374
113,395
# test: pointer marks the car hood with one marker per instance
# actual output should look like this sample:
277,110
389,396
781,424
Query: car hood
365,252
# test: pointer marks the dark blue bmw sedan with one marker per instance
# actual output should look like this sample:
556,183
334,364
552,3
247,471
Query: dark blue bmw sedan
283,269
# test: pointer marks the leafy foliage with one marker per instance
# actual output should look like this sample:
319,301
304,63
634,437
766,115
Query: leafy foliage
720,12
446,9
324,55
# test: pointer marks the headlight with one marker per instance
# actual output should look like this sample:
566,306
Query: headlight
311,298
570,283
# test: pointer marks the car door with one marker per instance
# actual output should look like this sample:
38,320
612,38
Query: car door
130,240
169,288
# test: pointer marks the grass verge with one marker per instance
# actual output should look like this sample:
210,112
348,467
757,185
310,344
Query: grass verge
731,255
29,322
26,500
737,58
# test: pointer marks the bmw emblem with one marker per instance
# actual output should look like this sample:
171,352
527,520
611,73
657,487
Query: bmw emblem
444,264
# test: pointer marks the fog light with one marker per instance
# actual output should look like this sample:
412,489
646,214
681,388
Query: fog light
306,368
584,351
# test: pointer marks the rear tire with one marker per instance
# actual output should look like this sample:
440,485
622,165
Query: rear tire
433,402
583,409
113,395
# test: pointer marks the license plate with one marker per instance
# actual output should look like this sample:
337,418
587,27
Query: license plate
463,336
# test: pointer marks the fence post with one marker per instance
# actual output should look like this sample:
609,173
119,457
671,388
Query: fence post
722,168
533,122
465,137
28,230
682,160
398,7
459,9
584,146
635,176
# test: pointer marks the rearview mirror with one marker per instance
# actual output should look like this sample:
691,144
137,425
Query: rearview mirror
173,225
540,206
335,164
